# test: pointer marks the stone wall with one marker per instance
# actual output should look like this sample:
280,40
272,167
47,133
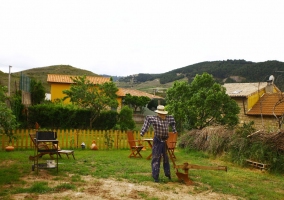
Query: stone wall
268,123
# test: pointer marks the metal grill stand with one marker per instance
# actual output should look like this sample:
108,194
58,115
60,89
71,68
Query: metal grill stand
50,139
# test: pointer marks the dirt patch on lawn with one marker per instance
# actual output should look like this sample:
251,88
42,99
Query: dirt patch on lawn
90,188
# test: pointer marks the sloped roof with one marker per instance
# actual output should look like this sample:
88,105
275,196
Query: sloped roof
123,91
243,89
266,104
59,78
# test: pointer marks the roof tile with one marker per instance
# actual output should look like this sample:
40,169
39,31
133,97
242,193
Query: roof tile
243,89
59,78
123,91
266,104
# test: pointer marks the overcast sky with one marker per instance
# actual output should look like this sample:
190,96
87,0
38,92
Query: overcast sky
125,37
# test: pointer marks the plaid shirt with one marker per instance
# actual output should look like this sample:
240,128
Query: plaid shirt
161,127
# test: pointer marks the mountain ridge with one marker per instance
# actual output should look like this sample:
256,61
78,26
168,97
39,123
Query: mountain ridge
226,71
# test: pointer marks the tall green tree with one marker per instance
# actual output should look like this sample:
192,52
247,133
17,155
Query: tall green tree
201,103
37,92
96,98
136,101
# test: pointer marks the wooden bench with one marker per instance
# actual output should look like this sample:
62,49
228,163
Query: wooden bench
67,153
257,164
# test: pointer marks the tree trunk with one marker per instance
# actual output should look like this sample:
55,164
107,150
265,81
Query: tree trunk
91,123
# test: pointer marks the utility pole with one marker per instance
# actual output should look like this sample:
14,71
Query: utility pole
9,80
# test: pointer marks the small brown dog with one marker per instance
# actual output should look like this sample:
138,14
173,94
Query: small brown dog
94,146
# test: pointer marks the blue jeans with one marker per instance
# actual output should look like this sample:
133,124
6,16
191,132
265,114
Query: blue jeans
159,150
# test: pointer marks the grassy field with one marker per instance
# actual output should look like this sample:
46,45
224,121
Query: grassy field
245,183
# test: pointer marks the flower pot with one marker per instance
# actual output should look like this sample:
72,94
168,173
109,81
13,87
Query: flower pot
10,148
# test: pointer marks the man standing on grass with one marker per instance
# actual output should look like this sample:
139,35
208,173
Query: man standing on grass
161,125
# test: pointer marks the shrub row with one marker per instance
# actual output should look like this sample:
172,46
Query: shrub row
55,116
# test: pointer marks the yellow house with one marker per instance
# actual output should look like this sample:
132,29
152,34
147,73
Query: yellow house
59,82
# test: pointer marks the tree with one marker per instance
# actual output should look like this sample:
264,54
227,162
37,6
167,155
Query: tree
96,98
152,105
37,92
8,122
3,91
136,101
143,101
16,105
126,121
201,103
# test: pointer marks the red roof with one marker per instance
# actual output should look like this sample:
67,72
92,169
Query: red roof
269,104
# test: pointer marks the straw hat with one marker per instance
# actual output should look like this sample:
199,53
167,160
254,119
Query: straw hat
161,110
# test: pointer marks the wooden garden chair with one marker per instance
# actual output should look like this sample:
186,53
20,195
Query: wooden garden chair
135,145
171,143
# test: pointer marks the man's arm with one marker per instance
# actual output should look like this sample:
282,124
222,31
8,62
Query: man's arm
174,128
147,123
173,123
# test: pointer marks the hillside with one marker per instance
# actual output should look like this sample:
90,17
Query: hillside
152,87
228,71
40,74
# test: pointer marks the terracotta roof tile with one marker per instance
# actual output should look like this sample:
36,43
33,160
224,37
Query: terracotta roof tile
266,104
59,78
123,91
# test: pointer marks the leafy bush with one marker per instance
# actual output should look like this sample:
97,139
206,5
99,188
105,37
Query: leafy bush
240,145
8,122
125,121
55,116
106,120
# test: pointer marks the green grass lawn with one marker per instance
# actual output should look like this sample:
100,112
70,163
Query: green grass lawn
246,183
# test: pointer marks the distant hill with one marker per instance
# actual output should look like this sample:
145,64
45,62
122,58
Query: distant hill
114,78
228,71
40,74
